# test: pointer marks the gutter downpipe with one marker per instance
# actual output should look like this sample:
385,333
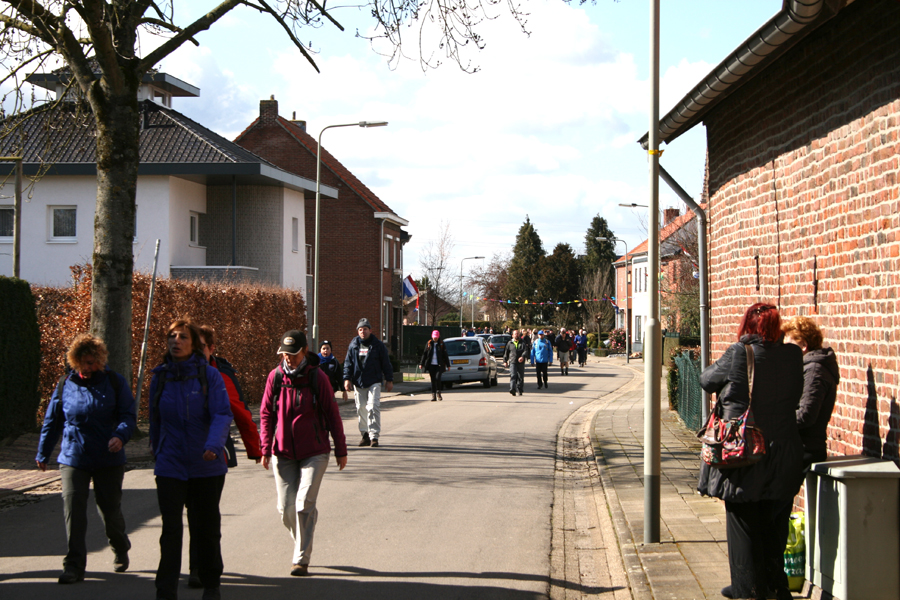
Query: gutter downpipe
381,282
234,220
704,279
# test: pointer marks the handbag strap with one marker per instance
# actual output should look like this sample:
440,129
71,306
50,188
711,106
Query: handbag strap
751,369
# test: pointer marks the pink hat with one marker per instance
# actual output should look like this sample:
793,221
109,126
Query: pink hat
435,334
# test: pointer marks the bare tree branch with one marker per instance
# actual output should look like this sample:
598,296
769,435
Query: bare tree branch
291,35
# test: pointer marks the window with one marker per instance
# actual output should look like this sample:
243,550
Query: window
637,328
63,223
309,259
387,252
194,234
397,265
295,235
7,220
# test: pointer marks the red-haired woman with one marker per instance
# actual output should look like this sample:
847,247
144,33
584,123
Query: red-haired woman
758,498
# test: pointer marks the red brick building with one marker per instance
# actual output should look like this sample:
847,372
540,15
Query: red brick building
804,204
361,243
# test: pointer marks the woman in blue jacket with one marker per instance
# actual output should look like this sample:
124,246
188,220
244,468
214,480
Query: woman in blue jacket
190,417
93,409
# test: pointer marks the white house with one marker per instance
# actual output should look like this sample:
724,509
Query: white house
219,210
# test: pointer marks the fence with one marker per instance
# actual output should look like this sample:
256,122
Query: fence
690,395
416,336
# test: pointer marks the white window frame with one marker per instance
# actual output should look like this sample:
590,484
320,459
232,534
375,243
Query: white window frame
295,235
8,239
60,239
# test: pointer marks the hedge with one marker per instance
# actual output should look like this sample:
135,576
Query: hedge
20,357
248,319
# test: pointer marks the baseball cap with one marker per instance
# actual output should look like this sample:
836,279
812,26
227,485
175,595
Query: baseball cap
292,341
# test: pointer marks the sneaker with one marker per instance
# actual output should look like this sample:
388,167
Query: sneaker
365,440
120,562
71,576
540,386
194,579
520,392
212,593
512,392
375,443
300,570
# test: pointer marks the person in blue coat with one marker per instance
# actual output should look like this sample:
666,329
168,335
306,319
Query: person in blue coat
190,418
93,409
541,358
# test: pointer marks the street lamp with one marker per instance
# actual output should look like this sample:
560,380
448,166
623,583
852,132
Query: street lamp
315,327
633,205
460,289
627,297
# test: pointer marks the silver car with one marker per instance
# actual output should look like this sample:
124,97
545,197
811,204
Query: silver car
470,360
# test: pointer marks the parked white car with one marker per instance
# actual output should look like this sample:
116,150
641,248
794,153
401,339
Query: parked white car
470,360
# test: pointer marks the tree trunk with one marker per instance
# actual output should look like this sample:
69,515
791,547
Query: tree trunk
118,135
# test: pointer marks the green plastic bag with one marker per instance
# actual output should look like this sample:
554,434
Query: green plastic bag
795,553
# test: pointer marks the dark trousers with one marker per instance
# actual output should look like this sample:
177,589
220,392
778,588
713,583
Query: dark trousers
757,534
516,376
108,495
201,496
582,356
540,369
435,371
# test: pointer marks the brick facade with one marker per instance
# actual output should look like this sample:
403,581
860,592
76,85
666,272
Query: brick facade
805,209
351,245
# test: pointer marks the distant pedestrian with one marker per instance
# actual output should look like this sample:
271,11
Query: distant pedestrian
329,365
435,360
821,376
514,358
297,413
541,358
758,498
93,410
366,367
581,347
563,346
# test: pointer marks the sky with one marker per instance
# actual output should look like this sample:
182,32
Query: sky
547,128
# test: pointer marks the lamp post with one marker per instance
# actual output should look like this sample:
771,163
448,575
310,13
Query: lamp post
315,327
460,288
627,297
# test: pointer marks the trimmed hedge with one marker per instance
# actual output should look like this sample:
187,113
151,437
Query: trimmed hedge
248,319
20,355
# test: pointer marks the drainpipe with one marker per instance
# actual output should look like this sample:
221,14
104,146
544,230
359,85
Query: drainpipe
381,282
234,220
704,278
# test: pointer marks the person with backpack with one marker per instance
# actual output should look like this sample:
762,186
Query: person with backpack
190,419
541,358
435,360
368,365
297,414
242,418
93,410
329,364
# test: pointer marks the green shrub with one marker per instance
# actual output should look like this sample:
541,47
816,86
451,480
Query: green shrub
592,340
672,386
20,355
617,339
602,352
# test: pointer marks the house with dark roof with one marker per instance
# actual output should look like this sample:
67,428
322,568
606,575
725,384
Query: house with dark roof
219,211
362,238
632,272
803,135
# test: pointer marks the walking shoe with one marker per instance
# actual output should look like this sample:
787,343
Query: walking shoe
520,392
365,440
539,386
71,576
194,579
375,443
300,570
212,593
441,398
120,562
434,398
726,591
512,393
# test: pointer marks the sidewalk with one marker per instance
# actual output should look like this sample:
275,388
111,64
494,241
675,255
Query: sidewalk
691,561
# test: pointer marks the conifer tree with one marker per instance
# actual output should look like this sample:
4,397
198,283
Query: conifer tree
523,278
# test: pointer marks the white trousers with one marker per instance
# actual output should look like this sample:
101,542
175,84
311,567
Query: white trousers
297,484
368,409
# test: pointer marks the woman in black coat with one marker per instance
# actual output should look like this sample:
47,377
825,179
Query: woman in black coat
758,498
435,360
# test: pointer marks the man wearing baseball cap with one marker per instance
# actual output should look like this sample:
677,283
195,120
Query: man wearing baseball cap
368,365
541,358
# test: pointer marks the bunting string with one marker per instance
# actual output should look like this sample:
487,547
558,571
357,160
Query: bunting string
579,301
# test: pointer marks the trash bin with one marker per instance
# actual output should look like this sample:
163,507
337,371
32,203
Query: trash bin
852,538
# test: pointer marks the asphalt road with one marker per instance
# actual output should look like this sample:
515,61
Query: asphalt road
456,503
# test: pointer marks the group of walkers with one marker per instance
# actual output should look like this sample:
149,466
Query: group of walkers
538,346
794,385
194,397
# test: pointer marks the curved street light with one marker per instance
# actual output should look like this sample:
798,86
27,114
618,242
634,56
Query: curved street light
627,296
315,327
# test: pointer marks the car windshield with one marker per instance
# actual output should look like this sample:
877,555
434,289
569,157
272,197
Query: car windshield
460,347
500,339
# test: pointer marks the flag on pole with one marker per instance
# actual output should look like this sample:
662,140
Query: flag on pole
409,287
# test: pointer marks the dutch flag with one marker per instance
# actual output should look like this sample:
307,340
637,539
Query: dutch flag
409,287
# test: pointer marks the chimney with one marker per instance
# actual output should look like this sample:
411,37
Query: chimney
301,124
669,215
268,111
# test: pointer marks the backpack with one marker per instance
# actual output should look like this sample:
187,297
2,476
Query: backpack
313,385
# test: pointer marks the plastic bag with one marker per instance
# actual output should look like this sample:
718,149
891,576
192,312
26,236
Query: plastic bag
795,553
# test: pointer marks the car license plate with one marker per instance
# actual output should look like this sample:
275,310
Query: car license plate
461,361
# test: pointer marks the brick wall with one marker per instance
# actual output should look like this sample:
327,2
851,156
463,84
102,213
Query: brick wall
805,209
350,244
260,213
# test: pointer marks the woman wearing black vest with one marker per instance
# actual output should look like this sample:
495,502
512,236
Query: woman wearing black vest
435,360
